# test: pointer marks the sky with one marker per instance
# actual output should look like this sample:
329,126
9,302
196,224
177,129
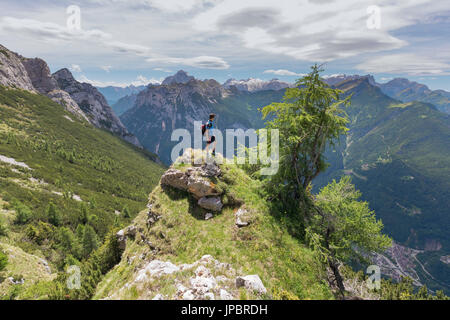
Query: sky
123,42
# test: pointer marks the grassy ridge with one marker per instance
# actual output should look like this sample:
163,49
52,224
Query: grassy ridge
288,269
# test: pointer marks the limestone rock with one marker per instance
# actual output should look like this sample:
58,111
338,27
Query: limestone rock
157,268
213,204
224,295
200,187
251,282
121,239
242,219
13,72
208,216
175,178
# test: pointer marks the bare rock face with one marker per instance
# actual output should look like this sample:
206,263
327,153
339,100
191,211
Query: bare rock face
94,105
42,80
13,72
34,75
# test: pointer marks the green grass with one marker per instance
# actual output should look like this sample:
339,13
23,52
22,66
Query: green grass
69,158
265,247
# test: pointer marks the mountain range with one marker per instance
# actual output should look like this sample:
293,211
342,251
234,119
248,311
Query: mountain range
397,153
68,176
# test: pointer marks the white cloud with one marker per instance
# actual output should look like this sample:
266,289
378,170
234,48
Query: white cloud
129,48
75,68
163,70
283,72
175,6
336,75
140,81
409,64
50,31
317,31
54,32
106,68
203,62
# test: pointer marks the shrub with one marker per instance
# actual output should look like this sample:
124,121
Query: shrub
23,213
3,260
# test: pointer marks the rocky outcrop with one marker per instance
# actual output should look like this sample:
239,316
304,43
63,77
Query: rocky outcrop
195,181
94,105
208,279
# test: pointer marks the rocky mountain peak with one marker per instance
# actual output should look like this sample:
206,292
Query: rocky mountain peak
64,74
254,85
93,104
12,71
180,77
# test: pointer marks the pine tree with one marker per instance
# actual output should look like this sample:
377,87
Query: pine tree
126,212
53,215
90,240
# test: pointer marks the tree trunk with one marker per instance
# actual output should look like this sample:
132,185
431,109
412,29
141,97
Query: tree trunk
337,275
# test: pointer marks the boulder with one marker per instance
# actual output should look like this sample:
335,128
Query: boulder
200,187
213,204
210,170
242,219
175,179
121,239
251,282
208,216
157,268
131,231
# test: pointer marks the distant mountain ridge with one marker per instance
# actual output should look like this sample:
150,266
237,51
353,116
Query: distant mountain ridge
114,94
407,91
254,85
401,89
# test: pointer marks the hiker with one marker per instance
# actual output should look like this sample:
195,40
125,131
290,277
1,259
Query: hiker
210,137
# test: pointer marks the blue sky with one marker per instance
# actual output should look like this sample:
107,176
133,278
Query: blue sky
121,42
